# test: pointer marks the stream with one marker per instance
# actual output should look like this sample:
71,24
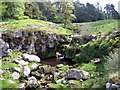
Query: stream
55,61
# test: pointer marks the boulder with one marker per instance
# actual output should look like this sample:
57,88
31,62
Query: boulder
32,82
34,66
31,58
110,86
26,70
21,62
97,60
17,69
60,80
59,65
76,74
71,83
36,74
22,85
57,74
115,86
15,75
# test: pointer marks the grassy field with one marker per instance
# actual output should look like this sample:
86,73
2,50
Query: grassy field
98,26
48,27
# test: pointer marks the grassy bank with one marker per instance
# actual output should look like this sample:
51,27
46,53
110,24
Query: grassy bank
103,26
45,26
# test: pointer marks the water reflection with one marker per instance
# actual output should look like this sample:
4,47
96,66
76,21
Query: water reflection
55,61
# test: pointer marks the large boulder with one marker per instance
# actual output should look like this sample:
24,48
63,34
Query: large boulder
76,74
31,58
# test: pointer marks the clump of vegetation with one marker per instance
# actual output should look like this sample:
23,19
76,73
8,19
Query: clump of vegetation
112,66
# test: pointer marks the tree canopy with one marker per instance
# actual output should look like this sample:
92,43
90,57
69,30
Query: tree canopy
58,12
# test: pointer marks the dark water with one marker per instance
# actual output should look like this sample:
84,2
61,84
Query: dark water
55,61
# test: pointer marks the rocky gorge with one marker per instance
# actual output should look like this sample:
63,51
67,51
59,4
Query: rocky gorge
24,50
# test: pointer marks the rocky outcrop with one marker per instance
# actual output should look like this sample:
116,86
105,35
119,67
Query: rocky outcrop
33,42
39,43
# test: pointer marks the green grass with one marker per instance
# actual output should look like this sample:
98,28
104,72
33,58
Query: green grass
103,26
49,27
45,26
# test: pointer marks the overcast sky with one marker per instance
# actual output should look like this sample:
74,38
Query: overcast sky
102,2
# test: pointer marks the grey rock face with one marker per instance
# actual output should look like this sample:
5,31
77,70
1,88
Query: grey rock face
17,34
31,42
3,48
77,74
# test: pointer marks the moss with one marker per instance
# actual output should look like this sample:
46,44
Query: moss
63,69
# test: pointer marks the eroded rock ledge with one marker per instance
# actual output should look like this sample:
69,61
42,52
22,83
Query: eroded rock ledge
33,42
40,43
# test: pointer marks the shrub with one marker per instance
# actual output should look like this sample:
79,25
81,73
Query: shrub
115,78
112,66
70,51
112,63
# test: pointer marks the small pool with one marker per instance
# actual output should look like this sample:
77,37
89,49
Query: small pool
56,61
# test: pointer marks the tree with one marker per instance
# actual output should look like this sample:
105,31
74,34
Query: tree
57,6
47,10
67,13
80,12
92,12
32,10
12,9
101,15
111,12
88,12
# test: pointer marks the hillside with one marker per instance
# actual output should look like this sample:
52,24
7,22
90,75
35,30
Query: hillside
103,26
27,44
34,25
